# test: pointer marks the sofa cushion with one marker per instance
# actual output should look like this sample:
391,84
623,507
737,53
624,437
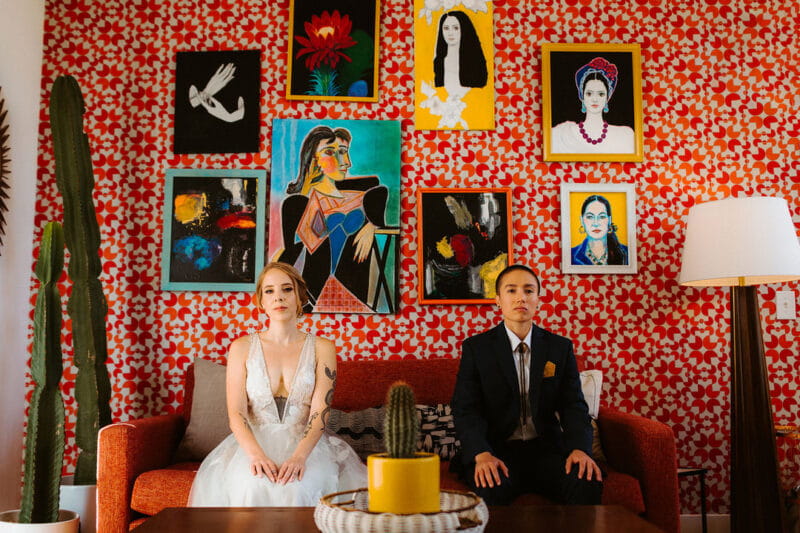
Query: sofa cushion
362,430
208,424
622,489
155,490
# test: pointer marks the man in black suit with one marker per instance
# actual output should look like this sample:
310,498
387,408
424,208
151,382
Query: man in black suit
518,407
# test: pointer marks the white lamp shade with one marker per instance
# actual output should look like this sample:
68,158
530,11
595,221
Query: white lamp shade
749,238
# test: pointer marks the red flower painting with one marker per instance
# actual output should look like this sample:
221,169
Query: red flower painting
328,34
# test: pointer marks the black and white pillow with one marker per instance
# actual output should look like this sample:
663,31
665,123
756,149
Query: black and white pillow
437,430
362,430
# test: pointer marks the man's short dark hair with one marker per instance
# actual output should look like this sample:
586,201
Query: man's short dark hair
512,268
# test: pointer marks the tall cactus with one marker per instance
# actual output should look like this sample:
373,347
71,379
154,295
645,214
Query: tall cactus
44,443
87,305
401,426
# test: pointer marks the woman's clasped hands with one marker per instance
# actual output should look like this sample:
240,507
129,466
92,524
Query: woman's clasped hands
291,470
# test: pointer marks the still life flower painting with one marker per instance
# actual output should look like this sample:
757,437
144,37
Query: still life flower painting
333,50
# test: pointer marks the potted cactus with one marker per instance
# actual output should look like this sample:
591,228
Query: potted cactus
44,443
87,305
402,480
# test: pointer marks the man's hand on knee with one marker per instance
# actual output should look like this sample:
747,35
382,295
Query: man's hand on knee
487,470
586,465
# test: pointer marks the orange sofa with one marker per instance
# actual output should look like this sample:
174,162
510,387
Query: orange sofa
137,476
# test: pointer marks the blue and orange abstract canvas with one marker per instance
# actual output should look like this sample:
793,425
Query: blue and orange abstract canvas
213,229
335,210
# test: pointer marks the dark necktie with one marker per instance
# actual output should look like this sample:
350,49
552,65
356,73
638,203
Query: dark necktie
522,354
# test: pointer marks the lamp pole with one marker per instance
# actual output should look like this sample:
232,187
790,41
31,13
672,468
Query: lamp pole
756,498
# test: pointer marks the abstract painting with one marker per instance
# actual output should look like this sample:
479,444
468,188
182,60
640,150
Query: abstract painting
335,210
598,228
592,102
454,65
217,106
213,229
333,50
464,241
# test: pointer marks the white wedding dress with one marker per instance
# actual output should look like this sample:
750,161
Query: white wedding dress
224,478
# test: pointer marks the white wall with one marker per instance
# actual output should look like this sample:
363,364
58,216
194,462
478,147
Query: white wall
20,78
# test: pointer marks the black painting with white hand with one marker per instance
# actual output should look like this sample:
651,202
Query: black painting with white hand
217,102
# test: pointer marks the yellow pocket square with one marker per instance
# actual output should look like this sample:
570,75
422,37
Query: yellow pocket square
549,369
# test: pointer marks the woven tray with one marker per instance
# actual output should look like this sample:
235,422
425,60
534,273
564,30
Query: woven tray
461,511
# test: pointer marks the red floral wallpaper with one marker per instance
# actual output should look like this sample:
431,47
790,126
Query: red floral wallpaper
720,119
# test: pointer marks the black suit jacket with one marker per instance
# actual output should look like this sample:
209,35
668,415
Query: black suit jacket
486,398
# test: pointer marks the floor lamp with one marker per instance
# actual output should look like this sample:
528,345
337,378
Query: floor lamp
743,242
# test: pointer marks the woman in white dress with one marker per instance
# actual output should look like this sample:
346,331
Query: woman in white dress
279,386
595,82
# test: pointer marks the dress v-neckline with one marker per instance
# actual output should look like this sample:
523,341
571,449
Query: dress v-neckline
294,377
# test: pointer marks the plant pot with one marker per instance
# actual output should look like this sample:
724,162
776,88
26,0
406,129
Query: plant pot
403,486
68,522
83,500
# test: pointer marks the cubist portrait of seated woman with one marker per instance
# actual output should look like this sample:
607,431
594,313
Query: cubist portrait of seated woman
455,85
334,227
583,115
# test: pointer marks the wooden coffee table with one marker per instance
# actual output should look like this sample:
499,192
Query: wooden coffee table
502,519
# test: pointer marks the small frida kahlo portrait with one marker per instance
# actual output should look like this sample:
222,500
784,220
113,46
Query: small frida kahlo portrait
601,245
592,102
598,228
595,83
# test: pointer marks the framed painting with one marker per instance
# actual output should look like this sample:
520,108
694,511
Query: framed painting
217,105
454,65
213,229
592,102
335,211
598,228
464,242
333,50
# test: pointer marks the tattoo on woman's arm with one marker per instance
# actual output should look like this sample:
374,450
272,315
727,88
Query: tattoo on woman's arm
244,419
326,413
310,423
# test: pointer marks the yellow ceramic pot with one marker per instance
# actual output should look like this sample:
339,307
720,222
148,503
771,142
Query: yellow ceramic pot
403,486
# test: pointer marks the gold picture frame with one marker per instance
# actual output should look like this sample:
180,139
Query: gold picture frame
574,132
333,50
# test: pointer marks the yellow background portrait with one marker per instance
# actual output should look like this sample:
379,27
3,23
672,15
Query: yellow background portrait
619,214
479,111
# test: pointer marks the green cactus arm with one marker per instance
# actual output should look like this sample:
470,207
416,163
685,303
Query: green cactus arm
44,442
87,306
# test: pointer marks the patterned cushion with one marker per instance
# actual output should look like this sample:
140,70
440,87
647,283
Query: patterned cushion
437,430
363,430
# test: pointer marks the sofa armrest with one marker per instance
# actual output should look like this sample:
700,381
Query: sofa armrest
125,450
644,449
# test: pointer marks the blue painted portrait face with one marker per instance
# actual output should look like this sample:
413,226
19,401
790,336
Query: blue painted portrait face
595,220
